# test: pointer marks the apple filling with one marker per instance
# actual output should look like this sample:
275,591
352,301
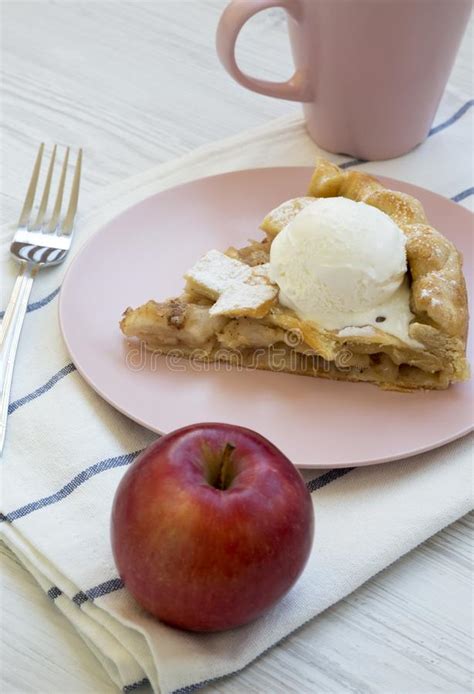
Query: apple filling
188,330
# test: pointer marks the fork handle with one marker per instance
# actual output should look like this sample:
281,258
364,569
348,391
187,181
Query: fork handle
10,337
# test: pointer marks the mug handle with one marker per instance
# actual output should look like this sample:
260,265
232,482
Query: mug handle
297,88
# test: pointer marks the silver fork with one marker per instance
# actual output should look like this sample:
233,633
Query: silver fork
37,243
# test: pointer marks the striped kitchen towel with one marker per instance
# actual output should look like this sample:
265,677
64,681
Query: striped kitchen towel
67,450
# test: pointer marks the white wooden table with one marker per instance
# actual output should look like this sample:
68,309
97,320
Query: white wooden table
137,83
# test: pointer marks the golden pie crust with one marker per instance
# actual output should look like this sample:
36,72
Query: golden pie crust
276,339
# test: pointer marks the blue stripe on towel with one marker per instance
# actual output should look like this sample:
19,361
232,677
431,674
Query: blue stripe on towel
136,685
463,195
194,687
96,592
104,588
327,478
436,129
16,404
68,488
54,592
80,598
455,117
352,162
38,304
42,302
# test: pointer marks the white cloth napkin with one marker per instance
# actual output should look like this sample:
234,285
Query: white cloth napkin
67,450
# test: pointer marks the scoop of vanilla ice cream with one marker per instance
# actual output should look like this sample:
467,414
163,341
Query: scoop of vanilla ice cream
338,262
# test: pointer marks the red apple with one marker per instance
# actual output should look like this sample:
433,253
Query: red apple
211,525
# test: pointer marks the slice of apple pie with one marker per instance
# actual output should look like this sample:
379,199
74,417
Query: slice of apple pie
349,282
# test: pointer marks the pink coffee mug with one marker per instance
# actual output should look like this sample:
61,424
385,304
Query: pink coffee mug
370,73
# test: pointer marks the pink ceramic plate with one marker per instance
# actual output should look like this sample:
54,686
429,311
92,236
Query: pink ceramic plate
143,254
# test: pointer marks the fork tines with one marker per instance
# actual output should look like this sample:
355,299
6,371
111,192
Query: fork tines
39,223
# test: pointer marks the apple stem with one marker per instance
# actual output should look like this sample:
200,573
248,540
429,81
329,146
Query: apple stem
225,466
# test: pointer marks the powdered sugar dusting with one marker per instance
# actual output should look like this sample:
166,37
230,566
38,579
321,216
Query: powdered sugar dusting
262,271
237,287
242,298
284,213
215,272
428,294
